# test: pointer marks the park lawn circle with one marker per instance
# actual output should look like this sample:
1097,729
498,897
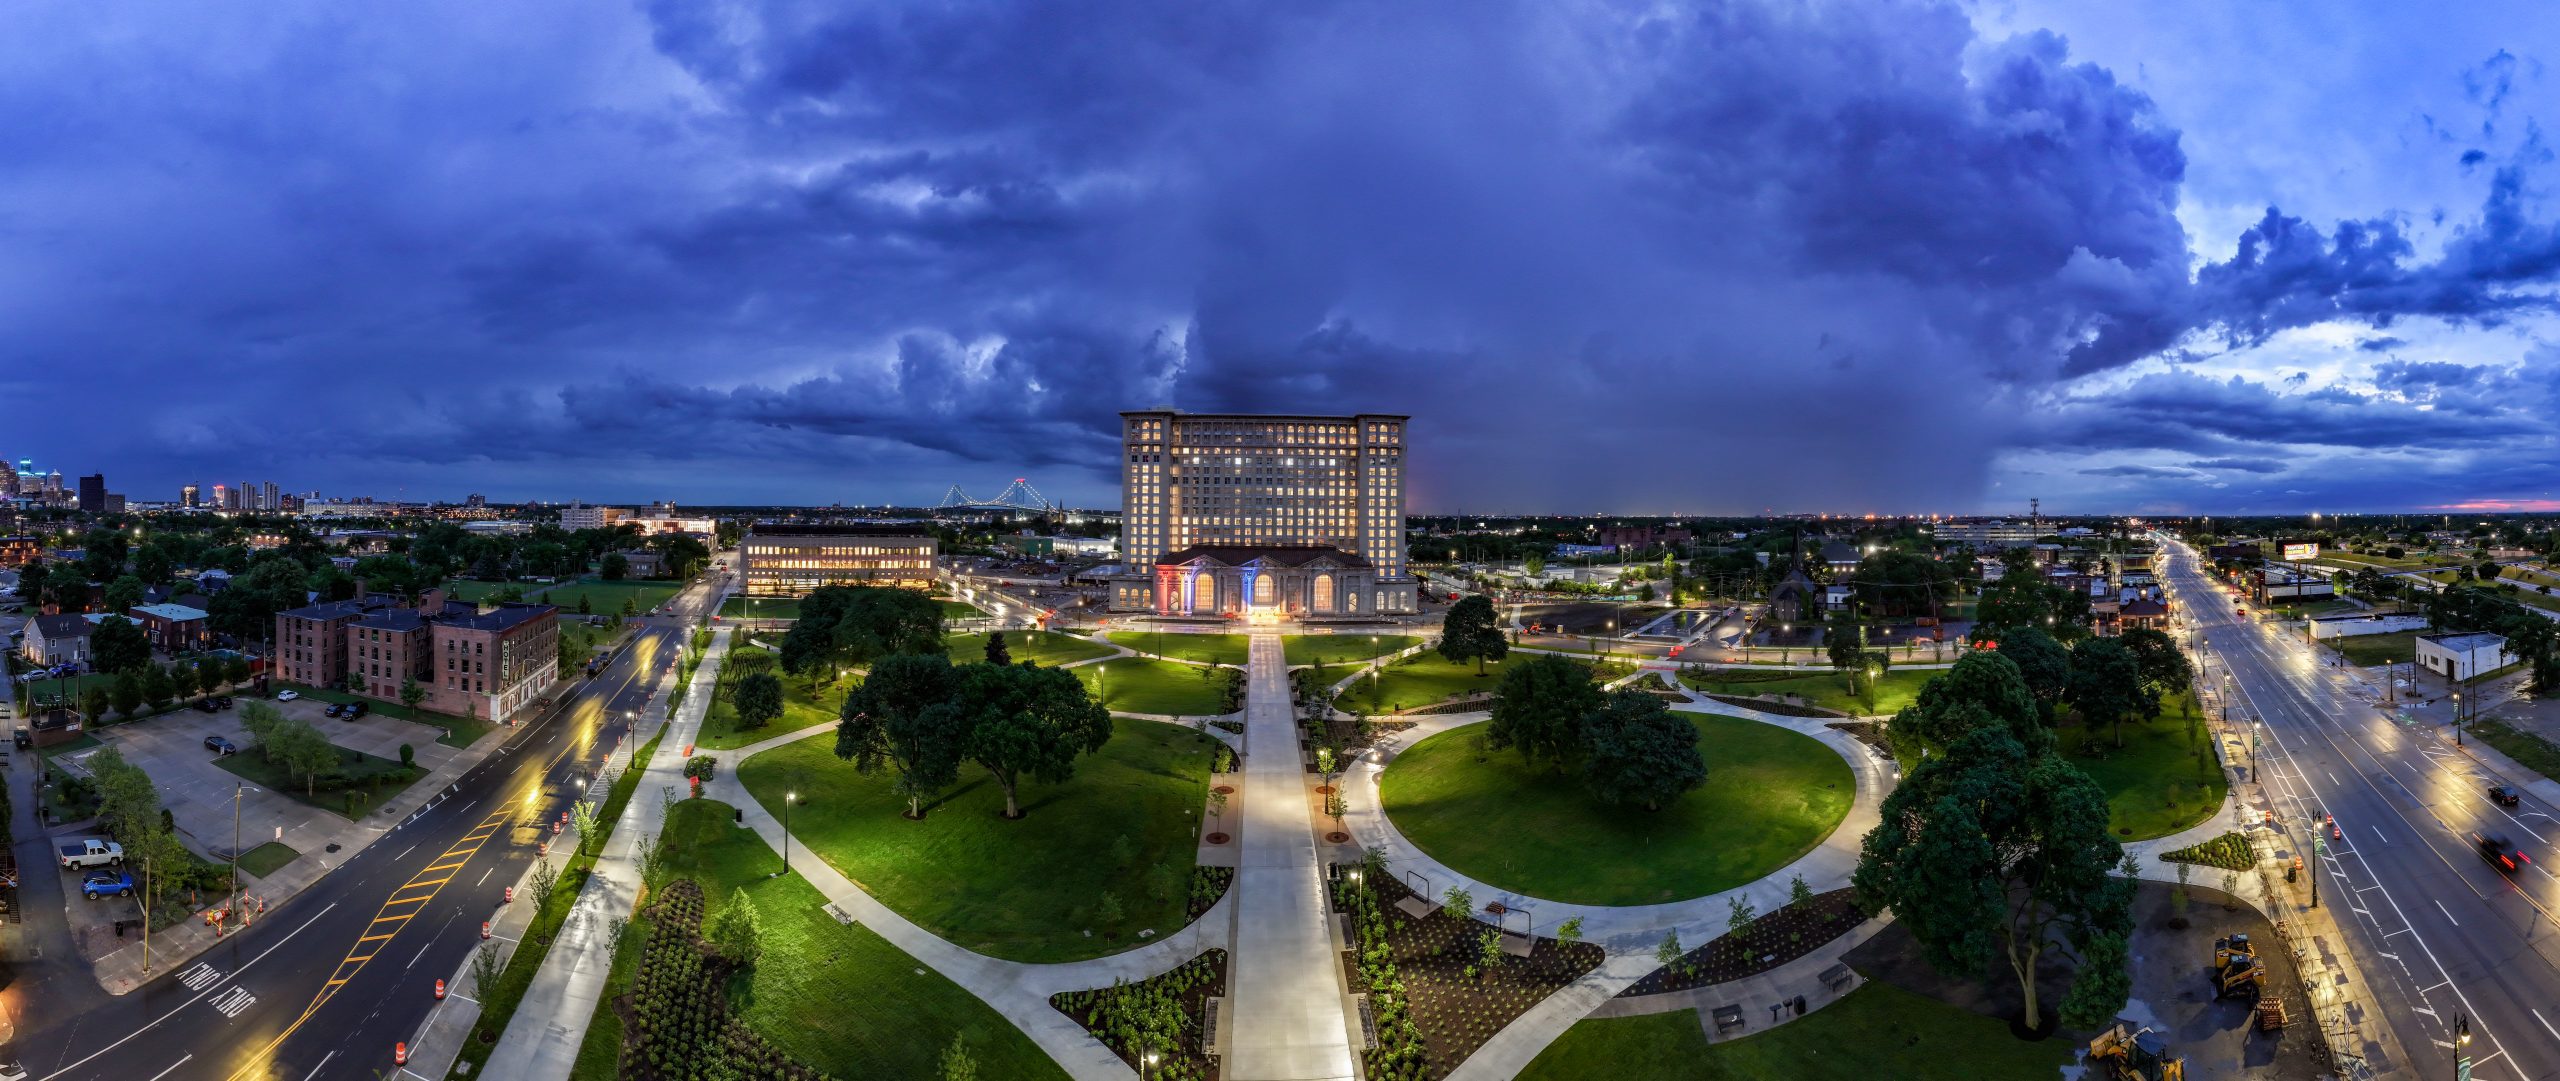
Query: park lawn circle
1419,680
1046,648
1771,796
1137,685
1023,890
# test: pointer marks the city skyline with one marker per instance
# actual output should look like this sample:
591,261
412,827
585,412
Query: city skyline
1888,257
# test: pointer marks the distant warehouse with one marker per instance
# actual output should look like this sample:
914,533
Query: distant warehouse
791,560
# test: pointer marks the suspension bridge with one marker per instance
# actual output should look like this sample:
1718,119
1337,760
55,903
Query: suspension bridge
1019,495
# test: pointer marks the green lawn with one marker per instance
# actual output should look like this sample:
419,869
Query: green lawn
1048,648
2154,785
605,598
2529,750
1828,690
1137,685
375,772
2365,650
458,731
1299,649
267,859
1418,680
1024,890
801,706
960,610
465,589
761,608
1770,796
1878,1031
1202,648
837,997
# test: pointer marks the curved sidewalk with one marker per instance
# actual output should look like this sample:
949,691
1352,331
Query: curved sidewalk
1629,933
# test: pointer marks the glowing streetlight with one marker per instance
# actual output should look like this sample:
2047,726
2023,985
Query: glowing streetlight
788,798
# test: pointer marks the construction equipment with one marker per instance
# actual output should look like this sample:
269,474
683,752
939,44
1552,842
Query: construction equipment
2236,971
2135,1056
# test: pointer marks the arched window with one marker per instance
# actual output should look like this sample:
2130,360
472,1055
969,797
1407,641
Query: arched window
1324,593
1262,588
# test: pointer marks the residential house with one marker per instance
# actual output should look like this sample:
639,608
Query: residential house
52,640
173,628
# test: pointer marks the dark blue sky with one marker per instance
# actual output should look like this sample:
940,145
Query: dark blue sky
1612,256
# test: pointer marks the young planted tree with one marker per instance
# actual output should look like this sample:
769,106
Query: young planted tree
1989,849
735,931
127,691
1472,632
903,717
997,653
957,1065
1569,932
412,692
1459,901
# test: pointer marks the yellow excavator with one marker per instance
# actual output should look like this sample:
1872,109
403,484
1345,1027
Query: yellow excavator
2236,971
2135,1056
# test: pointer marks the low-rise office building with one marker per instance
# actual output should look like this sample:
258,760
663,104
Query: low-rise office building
2462,656
791,560
493,664
174,628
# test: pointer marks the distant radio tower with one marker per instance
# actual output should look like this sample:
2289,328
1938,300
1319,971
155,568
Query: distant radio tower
2035,516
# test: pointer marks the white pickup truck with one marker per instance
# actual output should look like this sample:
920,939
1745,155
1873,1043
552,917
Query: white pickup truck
91,852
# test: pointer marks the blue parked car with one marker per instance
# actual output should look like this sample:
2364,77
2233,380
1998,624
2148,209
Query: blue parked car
106,884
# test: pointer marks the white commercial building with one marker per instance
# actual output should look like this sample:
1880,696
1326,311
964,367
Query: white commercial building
577,516
1251,516
2462,656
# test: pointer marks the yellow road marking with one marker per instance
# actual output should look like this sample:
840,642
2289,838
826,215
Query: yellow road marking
472,843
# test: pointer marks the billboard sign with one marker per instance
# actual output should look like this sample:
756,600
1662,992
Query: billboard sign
2297,551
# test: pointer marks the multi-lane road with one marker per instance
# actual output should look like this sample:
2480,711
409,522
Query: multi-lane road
2438,936
328,981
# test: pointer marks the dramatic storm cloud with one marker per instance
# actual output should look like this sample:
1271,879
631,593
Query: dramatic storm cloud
1713,256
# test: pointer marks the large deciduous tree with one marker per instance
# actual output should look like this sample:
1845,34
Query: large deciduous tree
1471,632
1543,702
1635,750
2164,666
118,645
757,699
2107,686
1983,690
1027,720
2041,661
1992,850
904,717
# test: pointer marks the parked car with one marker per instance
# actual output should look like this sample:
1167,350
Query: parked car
358,709
90,852
335,708
106,884
287,696
219,746
224,701
2504,795
206,705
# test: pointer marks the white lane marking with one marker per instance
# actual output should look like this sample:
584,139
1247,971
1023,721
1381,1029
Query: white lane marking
230,1003
404,853
2333,778
315,1071
2546,1025
200,977
173,1011
2448,913
2426,1011
2377,831
173,1068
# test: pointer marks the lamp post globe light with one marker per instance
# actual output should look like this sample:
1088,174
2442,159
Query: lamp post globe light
788,798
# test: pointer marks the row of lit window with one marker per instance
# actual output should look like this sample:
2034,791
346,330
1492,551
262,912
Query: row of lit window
763,565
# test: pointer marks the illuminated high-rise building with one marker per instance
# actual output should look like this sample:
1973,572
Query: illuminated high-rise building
1262,517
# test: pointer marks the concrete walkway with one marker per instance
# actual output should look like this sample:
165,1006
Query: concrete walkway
542,1038
1291,1023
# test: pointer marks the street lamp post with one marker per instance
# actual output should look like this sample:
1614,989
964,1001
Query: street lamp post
788,798
2462,1049
237,790
2457,718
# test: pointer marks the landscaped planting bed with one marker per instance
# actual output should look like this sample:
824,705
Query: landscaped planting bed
1773,939
2229,852
676,1015
1433,992
1162,1016
1208,884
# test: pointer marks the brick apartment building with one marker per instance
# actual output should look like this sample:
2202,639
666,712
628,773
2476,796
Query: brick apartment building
490,665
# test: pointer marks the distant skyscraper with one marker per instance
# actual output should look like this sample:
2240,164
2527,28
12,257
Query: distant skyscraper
269,498
187,495
248,495
475,500
224,498
93,494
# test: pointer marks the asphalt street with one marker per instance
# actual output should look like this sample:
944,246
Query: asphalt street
325,983
2438,933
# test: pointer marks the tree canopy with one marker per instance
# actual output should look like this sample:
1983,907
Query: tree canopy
1028,720
1541,708
1472,632
1991,849
118,645
903,717
1983,690
2107,685
1637,751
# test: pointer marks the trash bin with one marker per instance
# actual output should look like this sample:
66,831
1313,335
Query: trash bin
741,815
2290,873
